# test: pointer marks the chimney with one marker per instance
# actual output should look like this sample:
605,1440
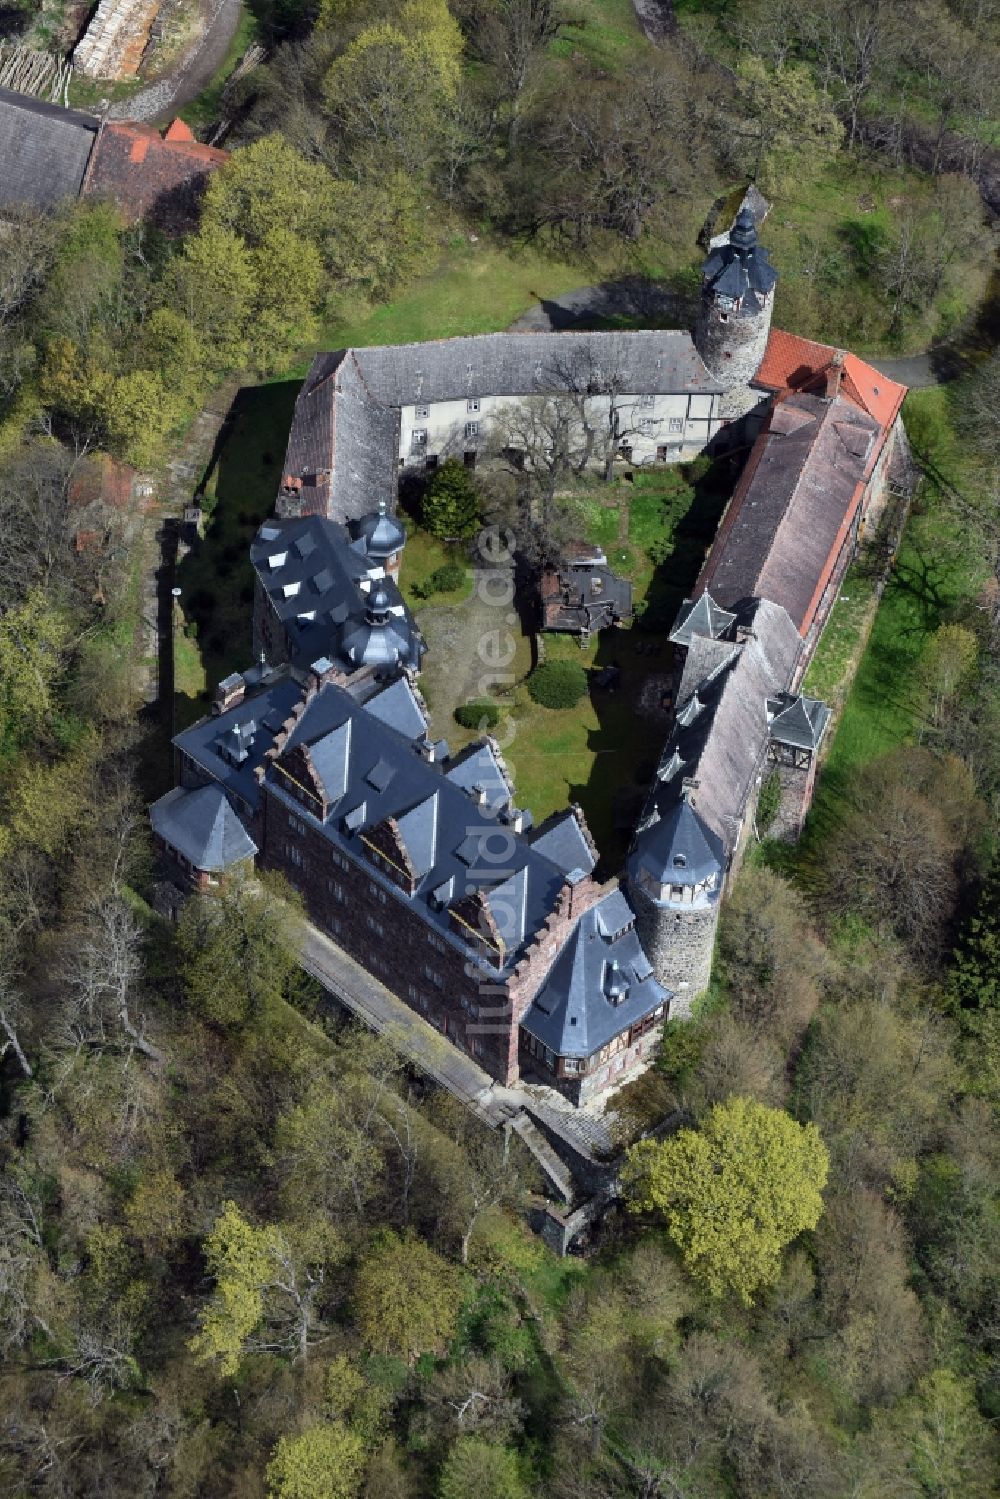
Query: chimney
834,371
229,693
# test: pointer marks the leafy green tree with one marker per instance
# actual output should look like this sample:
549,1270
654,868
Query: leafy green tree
480,1468
238,949
269,186
213,284
139,412
267,1279
786,128
974,980
288,276
388,89
407,1298
325,1461
378,235
34,640
934,1443
451,504
733,1193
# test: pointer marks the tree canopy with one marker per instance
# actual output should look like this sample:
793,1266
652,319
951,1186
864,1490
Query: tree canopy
733,1193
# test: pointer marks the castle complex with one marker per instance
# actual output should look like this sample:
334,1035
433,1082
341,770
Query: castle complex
319,762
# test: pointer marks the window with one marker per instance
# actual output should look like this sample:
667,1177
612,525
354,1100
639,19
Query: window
472,404
677,424
335,925
472,429
648,424
421,413
646,400
430,463
438,944
294,855
469,458
571,1064
434,976
336,889
477,1048
375,926
296,825
418,439
661,453
339,859
376,892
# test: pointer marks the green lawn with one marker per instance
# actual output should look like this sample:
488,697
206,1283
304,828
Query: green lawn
605,31
830,670
424,554
475,287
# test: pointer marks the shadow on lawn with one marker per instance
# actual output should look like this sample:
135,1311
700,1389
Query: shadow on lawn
627,745
238,492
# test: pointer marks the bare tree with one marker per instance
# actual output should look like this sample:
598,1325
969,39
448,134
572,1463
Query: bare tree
513,36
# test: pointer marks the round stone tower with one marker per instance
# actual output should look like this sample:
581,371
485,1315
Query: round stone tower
674,875
737,297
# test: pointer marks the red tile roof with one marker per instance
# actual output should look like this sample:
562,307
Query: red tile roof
793,363
149,174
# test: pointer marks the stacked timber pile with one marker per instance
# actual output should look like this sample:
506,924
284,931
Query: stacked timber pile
113,43
40,74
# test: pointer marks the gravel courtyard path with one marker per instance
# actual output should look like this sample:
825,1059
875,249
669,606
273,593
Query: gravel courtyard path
192,73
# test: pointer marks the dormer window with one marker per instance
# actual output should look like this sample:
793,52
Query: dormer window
680,861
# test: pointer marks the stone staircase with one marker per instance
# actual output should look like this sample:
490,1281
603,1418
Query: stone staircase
556,1171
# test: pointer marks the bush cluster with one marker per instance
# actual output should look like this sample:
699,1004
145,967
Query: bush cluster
558,684
481,714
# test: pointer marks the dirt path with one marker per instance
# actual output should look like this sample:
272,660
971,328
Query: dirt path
192,72
463,642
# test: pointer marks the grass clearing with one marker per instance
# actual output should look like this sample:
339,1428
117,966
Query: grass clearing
605,31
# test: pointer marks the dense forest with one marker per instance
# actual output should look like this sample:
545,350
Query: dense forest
243,1249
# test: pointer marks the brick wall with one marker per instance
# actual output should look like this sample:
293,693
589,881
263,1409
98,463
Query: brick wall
384,930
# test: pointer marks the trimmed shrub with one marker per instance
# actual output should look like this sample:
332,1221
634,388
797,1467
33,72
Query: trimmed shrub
478,715
444,579
558,684
451,504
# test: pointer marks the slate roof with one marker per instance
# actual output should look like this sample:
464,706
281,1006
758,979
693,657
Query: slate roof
44,151
379,775
202,826
700,616
397,706
344,443
316,577
213,744
738,267
562,839
719,736
797,721
681,849
573,1012
480,766
790,513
